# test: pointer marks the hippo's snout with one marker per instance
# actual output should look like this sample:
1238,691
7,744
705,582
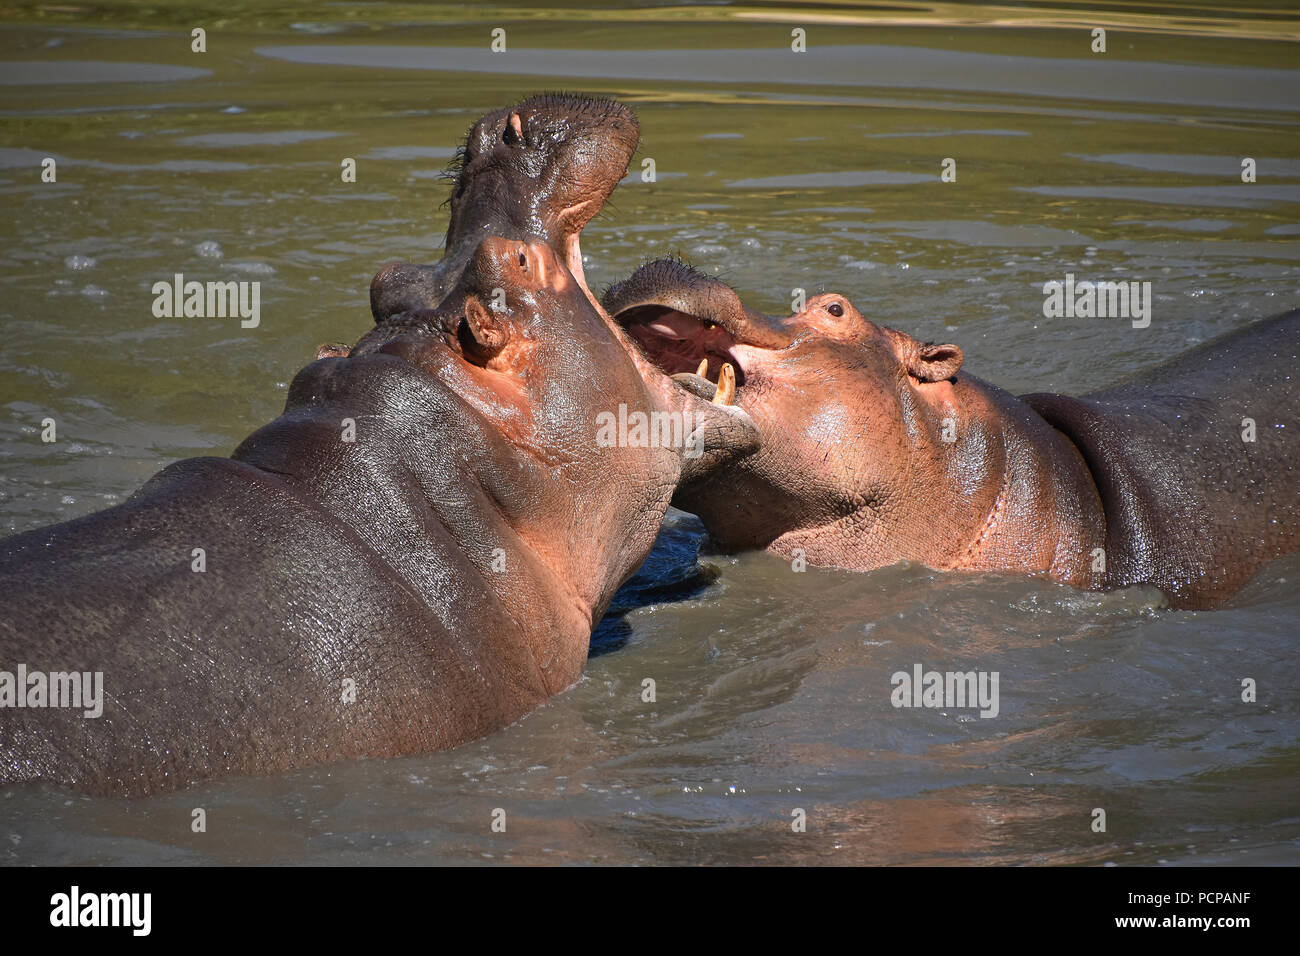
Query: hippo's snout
539,170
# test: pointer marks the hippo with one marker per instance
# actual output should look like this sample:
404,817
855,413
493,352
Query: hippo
413,555
878,448
540,171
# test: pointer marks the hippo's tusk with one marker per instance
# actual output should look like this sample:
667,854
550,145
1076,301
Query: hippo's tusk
726,392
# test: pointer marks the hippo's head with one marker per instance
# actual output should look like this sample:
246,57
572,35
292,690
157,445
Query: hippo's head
852,416
595,439
537,171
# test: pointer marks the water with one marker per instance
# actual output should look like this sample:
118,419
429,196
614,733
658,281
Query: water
776,170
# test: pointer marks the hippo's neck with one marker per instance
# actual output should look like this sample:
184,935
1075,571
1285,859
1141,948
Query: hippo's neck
428,487
1038,510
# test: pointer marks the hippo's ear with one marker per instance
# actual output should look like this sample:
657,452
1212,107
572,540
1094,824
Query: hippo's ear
484,333
933,363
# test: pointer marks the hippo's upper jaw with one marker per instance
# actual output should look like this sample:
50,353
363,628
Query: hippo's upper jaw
540,171
549,164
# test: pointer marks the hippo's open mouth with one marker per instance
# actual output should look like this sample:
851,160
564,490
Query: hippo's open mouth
694,328
695,351
579,213
539,170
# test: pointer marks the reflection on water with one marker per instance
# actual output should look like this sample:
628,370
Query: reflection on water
778,171
861,65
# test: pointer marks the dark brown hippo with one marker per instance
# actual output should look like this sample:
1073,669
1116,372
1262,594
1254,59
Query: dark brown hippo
878,448
538,171
412,556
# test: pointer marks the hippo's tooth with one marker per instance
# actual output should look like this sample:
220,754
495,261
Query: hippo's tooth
696,384
726,393
703,370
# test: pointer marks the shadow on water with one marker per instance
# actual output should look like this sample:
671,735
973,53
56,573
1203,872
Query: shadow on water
671,573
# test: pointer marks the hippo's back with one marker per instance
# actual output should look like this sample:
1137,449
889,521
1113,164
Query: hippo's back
1195,462
227,615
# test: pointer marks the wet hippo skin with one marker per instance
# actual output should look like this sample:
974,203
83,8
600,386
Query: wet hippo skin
878,448
450,560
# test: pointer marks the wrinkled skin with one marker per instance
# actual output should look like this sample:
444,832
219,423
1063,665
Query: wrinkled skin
855,471
451,560
537,171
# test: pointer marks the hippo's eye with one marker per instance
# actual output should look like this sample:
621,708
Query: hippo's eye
835,309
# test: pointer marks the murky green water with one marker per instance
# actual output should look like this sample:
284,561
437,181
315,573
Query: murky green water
779,170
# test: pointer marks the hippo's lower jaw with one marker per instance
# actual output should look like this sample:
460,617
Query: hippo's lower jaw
675,369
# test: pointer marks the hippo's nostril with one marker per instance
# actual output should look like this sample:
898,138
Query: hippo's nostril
513,134
523,260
